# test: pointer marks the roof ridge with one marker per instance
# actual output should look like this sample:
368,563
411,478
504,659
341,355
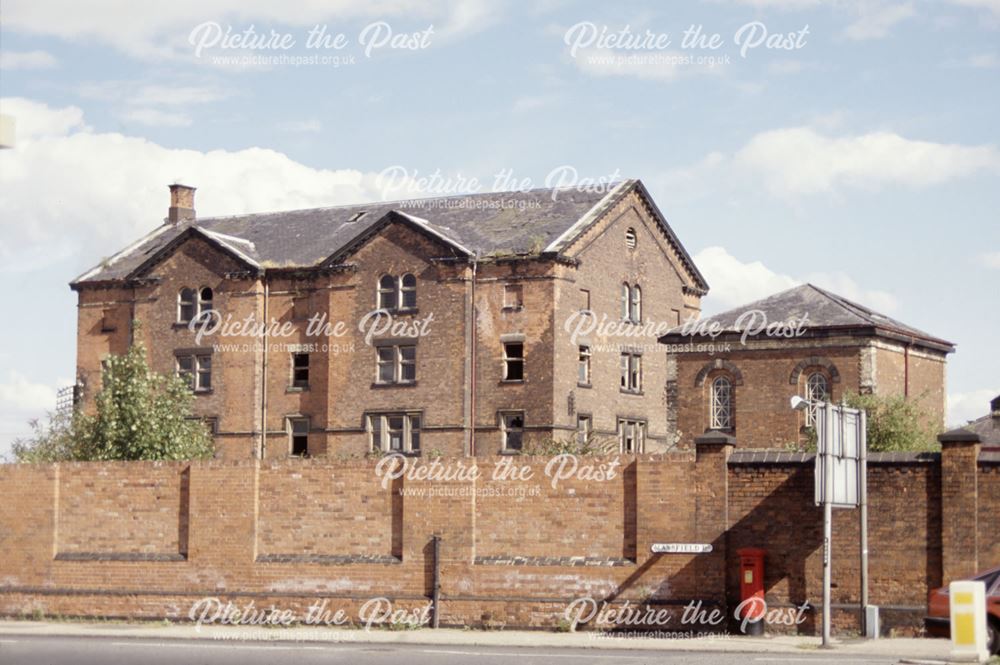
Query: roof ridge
749,305
849,305
607,187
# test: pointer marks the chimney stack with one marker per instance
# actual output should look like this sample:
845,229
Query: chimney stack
181,204
995,408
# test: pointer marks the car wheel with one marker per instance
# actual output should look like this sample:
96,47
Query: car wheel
993,636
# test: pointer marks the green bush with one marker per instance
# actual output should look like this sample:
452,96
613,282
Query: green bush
894,423
141,415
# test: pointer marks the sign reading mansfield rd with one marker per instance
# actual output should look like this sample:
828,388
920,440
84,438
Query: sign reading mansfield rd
681,548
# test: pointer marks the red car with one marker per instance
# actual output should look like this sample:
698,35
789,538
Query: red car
938,620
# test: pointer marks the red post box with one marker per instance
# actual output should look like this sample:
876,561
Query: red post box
752,605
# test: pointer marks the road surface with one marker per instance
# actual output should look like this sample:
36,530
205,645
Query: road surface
55,650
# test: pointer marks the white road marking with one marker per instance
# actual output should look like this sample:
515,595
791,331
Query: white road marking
227,645
533,653
797,659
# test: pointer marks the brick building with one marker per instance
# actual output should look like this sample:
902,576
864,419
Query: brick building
737,371
486,295
988,426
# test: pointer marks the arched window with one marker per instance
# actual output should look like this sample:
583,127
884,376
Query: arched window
387,292
408,291
721,404
205,301
636,304
817,390
625,300
186,306
630,238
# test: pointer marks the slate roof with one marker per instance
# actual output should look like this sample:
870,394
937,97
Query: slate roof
495,223
827,312
988,427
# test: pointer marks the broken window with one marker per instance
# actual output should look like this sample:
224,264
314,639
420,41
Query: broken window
631,372
513,361
584,425
300,370
583,369
631,435
298,436
512,426
513,297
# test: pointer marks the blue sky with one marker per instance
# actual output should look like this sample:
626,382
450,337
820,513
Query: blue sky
864,159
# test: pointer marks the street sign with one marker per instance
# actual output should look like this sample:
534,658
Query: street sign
840,437
681,548
841,482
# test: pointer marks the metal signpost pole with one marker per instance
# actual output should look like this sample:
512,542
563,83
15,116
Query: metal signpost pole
827,518
863,501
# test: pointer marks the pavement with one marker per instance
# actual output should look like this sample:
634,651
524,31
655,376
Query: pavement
488,644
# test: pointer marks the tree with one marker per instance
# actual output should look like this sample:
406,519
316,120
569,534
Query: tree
894,423
141,415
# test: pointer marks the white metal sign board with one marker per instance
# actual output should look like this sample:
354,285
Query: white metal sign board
840,438
681,548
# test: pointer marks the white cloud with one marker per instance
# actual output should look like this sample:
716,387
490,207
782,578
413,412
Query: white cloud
156,118
131,27
735,282
22,400
963,407
17,393
27,60
68,191
990,260
800,161
876,19
34,119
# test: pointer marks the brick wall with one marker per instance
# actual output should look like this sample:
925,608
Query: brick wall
772,506
148,539
989,522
